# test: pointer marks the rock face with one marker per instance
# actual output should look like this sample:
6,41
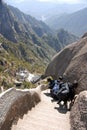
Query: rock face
72,63
78,114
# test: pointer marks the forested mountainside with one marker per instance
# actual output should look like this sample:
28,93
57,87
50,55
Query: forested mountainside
74,23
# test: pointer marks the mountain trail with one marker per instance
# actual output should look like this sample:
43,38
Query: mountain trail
47,115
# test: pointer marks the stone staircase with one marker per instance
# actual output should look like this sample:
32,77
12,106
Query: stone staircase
45,116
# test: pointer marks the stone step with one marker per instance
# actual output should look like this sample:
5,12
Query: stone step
35,126
44,117
44,114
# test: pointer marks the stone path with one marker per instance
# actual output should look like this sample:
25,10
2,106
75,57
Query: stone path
47,115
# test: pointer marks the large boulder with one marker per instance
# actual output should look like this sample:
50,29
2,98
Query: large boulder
78,115
72,63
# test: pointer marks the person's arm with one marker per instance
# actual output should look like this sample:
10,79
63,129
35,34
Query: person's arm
60,90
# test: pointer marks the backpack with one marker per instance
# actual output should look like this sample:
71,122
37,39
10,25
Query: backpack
51,84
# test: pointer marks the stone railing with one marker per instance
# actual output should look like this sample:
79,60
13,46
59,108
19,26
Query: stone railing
15,103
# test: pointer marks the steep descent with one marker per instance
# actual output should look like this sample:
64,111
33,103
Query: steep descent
44,116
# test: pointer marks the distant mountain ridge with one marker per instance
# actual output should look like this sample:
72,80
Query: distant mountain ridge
74,23
46,9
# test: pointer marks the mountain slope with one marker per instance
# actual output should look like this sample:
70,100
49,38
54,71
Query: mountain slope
18,27
59,39
32,40
18,24
30,57
12,59
74,23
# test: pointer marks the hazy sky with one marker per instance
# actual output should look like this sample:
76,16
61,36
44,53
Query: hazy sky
54,1
39,8
63,1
